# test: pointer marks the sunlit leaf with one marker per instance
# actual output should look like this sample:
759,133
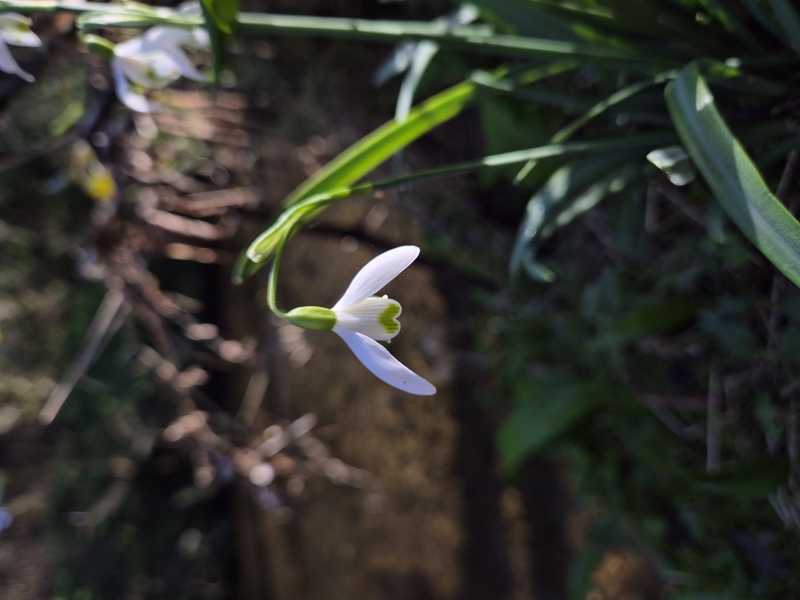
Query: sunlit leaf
366,154
730,173
674,163
223,13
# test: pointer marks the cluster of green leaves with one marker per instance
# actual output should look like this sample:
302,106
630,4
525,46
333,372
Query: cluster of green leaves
683,108
677,108
609,371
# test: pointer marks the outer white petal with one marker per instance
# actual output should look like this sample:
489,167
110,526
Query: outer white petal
201,40
15,29
189,9
136,102
161,38
132,47
10,65
154,69
376,274
383,365
184,65
165,41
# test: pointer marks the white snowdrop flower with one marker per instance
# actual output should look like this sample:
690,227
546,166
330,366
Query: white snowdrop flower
154,60
360,319
15,29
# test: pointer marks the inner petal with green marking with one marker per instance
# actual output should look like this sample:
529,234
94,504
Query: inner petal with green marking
374,317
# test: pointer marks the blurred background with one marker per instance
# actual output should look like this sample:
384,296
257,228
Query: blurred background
624,427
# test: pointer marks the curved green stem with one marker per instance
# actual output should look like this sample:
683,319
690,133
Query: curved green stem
301,212
272,283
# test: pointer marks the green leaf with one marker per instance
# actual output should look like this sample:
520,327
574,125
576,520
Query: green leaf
651,315
467,38
523,17
752,7
596,110
744,481
546,409
361,158
730,173
373,149
569,192
220,19
223,13
789,22
306,209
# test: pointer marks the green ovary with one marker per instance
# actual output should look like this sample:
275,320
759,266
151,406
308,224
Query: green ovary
314,318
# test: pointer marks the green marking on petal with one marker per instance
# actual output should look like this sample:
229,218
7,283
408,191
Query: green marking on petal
388,318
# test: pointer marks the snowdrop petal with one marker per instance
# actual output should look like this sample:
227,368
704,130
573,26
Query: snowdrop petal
184,65
132,47
171,40
374,317
16,29
10,65
201,40
376,274
161,38
189,9
383,365
154,69
136,102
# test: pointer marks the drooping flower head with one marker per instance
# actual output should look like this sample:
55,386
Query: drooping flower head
155,59
360,318
15,29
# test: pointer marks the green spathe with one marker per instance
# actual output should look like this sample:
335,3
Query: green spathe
315,318
98,45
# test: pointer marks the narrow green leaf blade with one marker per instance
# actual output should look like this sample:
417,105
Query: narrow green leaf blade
789,22
365,155
222,12
733,177
373,149
220,19
569,192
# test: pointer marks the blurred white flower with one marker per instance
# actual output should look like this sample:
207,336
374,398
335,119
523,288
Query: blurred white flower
154,60
15,29
360,319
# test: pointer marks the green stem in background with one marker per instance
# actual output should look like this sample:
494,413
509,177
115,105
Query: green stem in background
294,217
376,147
473,38
476,38
272,284
566,132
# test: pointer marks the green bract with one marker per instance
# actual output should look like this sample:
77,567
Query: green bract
315,318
